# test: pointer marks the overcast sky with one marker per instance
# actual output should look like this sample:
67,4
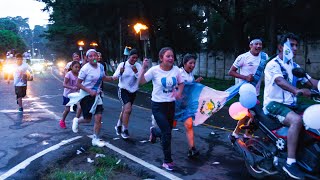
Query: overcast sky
25,8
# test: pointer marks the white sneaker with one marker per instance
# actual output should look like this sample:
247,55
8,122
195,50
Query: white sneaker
98,142
75,124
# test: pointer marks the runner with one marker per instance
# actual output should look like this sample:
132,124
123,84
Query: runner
128,73
70,86
167,87
90,78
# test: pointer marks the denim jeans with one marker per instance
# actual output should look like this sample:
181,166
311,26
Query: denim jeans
163,113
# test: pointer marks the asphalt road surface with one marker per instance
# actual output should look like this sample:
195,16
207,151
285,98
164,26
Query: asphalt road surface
32,141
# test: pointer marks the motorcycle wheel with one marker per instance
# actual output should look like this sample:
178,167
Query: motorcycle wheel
254,172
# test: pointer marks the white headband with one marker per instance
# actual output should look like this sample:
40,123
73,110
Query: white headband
89,51
255,41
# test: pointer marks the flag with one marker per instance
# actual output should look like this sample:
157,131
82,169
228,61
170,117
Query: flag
200,102
287,52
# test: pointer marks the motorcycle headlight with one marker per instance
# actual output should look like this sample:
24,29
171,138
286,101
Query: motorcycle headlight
8,68
61,64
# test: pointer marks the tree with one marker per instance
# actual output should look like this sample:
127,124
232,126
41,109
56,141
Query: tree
10,40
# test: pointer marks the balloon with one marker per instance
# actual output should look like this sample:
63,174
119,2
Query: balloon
247,88
311,117
248,99
237,111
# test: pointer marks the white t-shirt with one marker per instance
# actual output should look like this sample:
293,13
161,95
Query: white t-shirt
272,92
128,80
164,83
68,65
248,64
187,77
91,75
20,76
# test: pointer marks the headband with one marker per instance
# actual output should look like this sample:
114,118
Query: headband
89,51
255,41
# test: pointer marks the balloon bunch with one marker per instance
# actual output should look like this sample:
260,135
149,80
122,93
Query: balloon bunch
248,95
311,117
237,111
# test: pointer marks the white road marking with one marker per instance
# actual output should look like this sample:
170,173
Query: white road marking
26,162
142,162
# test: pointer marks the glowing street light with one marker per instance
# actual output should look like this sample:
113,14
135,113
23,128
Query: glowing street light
94,44
81,44
139,27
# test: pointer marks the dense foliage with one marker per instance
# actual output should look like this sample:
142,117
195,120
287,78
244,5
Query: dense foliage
185,25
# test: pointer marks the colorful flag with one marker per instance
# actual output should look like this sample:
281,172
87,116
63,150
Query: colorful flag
200,101
287,52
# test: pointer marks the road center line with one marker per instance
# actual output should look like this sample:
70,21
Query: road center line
26,162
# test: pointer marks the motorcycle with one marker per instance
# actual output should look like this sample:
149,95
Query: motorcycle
266,155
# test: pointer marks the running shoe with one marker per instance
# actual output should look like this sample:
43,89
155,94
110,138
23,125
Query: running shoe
98,142
125,134
118,129
168,166
75,125
62,124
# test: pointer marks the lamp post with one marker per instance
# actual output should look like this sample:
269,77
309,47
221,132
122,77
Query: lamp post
139,27
81,44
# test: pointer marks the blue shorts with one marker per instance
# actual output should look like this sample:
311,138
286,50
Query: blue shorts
65,100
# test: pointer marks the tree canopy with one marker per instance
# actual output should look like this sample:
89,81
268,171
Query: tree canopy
185,25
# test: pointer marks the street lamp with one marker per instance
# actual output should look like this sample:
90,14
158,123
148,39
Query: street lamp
81,44
94,44
139,27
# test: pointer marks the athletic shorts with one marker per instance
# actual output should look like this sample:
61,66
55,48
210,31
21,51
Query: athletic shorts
125,96
86,104
65,100
280,111
20,91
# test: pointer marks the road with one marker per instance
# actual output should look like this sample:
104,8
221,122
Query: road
32,141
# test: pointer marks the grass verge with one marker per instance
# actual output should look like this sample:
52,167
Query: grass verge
107,167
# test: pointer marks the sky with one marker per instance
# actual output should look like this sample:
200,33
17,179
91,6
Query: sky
25,8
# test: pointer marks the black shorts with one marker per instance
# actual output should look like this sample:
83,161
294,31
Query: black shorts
65,100
20,91
125,96
86,104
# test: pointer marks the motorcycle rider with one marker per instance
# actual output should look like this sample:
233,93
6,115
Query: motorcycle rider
280,98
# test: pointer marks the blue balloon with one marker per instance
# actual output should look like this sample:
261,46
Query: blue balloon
248,99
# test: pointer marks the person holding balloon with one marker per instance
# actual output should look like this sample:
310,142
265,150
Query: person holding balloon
280,97
244,68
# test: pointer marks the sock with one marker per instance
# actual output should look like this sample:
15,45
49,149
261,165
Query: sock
235,135
119,123
124,128
291,160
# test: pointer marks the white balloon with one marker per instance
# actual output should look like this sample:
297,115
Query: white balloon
311,117
248,88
